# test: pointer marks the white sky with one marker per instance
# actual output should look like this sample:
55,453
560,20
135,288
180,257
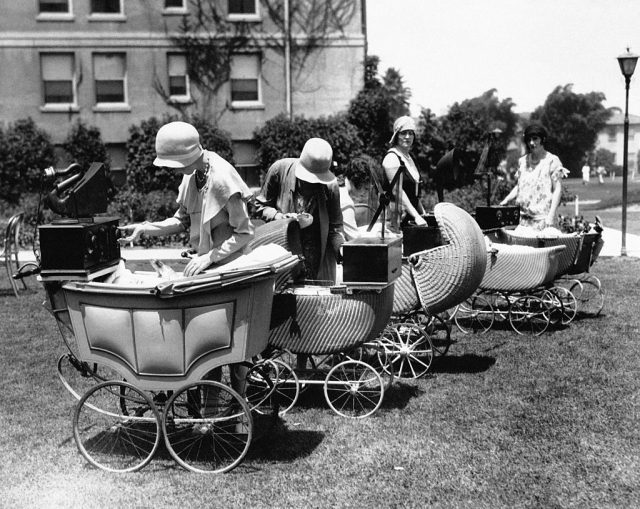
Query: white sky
451,50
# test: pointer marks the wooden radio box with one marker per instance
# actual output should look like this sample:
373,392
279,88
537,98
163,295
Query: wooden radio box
73,249
372,260
497,216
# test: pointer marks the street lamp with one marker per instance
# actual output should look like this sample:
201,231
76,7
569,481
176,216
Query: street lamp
627,63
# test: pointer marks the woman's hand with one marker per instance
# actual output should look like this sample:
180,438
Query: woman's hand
305,220
420,221
134,231
197,264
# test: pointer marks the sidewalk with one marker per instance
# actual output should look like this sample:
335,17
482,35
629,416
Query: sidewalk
612,244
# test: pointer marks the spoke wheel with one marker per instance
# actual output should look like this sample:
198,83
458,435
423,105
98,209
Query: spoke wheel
207,427
260,384
286,388
407,350
474,315
589,296
529,315
552,303
116,427
568,303
374,354
438,330
354,389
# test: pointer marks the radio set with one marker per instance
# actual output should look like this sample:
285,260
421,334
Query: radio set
81,245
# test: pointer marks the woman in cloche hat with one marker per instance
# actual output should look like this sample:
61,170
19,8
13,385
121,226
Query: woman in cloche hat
212,199
306,189
410,183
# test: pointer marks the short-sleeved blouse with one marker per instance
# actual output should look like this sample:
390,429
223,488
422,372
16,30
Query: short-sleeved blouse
535,185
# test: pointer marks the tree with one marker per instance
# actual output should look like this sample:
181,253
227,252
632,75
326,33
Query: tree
27,150
84,145
281,137
573,122
376,107
466,127
606,158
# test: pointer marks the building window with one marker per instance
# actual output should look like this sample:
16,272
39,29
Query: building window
54,6
106,7
174,4
612,135
110,77
245,78
178,78
58,78
243,9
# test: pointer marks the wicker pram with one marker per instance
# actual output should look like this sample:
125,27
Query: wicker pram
510,290
324,325
573,286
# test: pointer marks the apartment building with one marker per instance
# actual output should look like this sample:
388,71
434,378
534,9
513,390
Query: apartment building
612,139
113,63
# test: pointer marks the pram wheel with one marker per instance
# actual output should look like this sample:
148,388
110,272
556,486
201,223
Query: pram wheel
353,389
474,315
260,384
207,427
277,383
589,295
407,349
568,306
373,353
529,315
116,427
438,330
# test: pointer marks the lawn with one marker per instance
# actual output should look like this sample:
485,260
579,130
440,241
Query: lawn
605,200
502,421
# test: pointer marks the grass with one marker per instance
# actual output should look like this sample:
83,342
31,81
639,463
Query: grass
502,421
605,200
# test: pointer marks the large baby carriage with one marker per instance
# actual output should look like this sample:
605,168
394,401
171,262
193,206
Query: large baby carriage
573,287
324,325
148,348
510,288
433,281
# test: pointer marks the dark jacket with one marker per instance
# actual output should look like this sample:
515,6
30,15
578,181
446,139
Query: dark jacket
277,195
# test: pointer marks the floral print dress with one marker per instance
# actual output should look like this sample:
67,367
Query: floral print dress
535,188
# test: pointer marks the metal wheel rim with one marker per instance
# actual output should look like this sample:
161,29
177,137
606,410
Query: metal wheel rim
207,427
120,436
354,389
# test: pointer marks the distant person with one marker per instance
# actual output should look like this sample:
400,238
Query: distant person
538,182
586,173
601,172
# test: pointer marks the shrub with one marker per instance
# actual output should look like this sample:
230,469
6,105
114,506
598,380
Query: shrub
84,146
27,151
134,207
143,176
281,137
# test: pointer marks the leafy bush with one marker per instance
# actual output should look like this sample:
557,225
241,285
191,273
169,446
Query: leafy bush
281,137
143,176
134,207
27,150
84,146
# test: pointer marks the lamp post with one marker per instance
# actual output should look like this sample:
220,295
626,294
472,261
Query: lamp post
627,63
